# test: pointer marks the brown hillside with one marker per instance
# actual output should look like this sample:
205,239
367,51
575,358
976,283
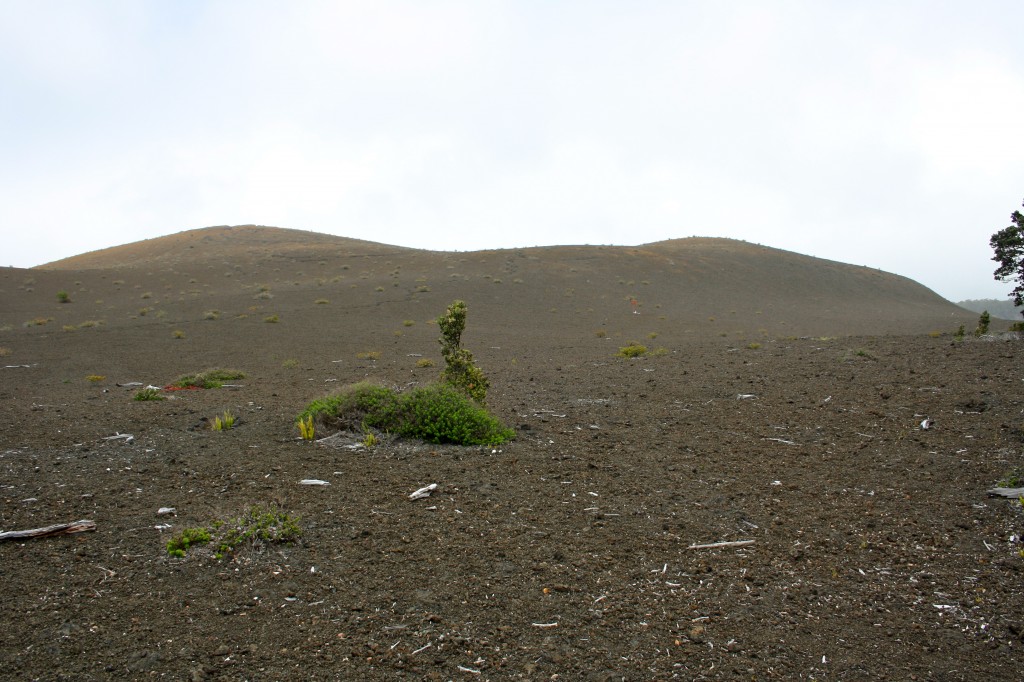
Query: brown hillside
683,288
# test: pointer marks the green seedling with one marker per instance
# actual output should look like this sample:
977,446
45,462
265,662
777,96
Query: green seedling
224,422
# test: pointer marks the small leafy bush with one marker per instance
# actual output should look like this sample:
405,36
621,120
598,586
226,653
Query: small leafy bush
438,413
63,297
1012,479
180,544
210,378
359,405
369,355
95,378
272,319
424,362
459,370
149,394
178,334
633,350
983,322
442,414
257,527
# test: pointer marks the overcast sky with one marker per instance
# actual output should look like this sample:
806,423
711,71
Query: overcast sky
888,134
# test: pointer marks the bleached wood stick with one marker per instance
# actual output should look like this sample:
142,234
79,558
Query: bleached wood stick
56,529
1011,493
423,492
734,543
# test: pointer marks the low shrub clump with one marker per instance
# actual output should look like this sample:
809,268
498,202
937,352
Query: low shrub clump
148,394
210,378
438,413
256,528
633,350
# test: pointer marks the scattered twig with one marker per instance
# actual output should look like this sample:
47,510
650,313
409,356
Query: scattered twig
545,625
733,543
313,481
46,531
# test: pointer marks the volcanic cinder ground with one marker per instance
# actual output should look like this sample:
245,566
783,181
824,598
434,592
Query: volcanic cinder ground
781,408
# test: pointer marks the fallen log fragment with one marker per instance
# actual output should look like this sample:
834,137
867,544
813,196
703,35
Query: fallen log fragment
733,543
46,531
1012,493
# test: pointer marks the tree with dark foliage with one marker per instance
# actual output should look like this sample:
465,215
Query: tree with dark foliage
1008,244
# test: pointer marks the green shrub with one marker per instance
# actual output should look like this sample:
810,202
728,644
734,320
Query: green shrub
438,413
633,350
360,405
257,527
441,413
983,322
149,394
210,378
179,544
63,297
459,369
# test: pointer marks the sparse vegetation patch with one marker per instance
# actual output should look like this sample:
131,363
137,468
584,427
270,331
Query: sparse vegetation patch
633,350
210,378
256,528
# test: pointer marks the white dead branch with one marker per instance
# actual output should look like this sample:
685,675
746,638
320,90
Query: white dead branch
166,511
313,481
423,492
733,543
126,437
1011,493
544,625
46,531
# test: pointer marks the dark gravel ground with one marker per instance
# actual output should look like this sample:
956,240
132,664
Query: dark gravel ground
565,554
872,550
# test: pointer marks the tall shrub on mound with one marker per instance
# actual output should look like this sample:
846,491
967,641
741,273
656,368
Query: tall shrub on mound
438,413
459,370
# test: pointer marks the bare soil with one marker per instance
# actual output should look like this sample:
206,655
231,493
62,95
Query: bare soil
564,554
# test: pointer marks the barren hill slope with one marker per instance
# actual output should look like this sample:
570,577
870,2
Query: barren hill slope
674,289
